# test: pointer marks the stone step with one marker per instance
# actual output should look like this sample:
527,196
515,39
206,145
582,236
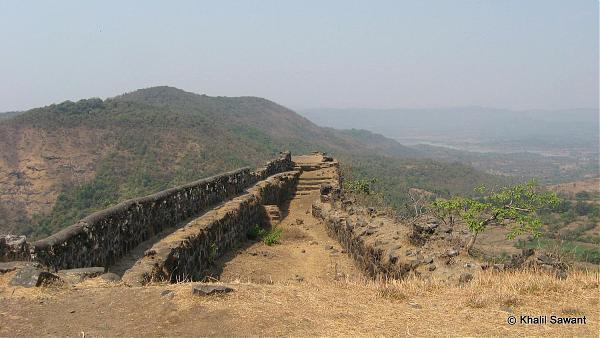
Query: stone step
301,193
318,178
313,182
308,188
273,213
305,185
307,167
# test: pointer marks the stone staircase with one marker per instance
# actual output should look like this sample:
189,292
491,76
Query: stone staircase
274,214
306,185
315,171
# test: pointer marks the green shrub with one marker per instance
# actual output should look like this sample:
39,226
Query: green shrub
256,233
583,195
213,253
272,237
577,251
268,237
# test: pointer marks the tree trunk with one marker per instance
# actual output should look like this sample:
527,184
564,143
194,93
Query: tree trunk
471,243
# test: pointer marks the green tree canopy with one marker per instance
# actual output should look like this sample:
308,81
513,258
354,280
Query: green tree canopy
516,207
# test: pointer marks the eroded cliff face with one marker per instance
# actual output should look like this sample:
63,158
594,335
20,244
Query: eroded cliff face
36,164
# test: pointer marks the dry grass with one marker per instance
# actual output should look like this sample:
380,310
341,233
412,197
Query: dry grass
418,307
506,288
572,311
590,184
411,307
390,292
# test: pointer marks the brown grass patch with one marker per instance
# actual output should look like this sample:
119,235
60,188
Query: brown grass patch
410,307
476,301
572,311
391,292
509,300
292,233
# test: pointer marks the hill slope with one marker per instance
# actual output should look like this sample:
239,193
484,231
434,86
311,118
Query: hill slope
63,161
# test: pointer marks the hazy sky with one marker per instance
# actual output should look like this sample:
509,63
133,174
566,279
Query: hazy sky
381,54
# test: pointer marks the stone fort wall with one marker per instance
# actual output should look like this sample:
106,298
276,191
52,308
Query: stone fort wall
187,253
102,238
375,255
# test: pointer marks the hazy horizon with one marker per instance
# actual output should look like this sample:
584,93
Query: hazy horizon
510,54
309,108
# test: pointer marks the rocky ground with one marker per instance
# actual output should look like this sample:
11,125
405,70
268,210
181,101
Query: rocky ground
304,252
308,285
306,308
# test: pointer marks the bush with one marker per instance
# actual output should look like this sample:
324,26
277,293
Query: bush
268,237
273,236
573,249
583,195
213,253
256,232
567,217
583,208
360,186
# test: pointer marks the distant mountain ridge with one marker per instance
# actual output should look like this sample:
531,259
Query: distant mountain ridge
9,114
60,162
536,128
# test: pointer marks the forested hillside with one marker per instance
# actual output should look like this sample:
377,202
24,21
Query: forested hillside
63,161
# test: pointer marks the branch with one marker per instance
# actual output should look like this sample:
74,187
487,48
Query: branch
489,220
516,208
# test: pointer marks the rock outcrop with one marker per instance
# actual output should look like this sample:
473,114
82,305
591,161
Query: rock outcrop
384,247
14,248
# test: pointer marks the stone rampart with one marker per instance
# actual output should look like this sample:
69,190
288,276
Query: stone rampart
103,237
186,254
14,248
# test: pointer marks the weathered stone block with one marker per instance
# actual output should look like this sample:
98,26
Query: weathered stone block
30,276
210,289
78,275
13,248
11,266
110,277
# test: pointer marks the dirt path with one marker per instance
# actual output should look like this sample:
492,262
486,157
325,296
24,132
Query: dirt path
304,286
126,262
305,251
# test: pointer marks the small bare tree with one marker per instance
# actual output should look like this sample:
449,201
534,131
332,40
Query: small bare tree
419,198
